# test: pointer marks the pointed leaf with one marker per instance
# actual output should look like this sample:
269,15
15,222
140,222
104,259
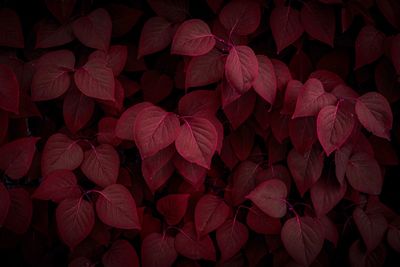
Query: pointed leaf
77,110
231,237
265,85
158,251
121,253
369,46
240,17
173,207
156,35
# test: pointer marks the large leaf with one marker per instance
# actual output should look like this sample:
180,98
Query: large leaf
306,169
240,17
374,113
16,157
241,68
95,79
121,253
335,125
156,35
154,130
312,98
197,141
57,186
9,93
158,251
101,165
210,213
117,208
270,197
60,152
303,239
53,78
231,237
286,26
75,220
94,30
193,38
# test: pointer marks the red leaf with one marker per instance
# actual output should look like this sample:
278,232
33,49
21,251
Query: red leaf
77,110
325,194
188,245
96,79
319,22
286,26
335,125
173,207
200,103
16,157
265,85
301,66
374,113
197,141
10,29
240,17
282,73
59,153
101,165
4,122
231,237
302,133
292,91
126,123
359,257
117,208
154,130
270,197
393,234
75,220
261,223
173,10
364,174
191,172
106,131
368,38
303,239
158,251
205,69
121,253
116,57
94,30
241,68
395,53
279,126
390,9
240,110
19,214
242,141
329,80
372,227
52,77
57,186
312,98
386,78
5,203
193,38
9,93
155,86
51,34
210,213
61,9
156,35
306,169
243,181
123,18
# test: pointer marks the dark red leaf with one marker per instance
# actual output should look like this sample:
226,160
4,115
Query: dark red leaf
94,30
156,35
155,86
10,29
200,103
158,251
75,220
231,237
77,110
243,181
61,9
9,93
173,10
261,223
51,34
367,38
173,207
121,253
16,157
239,110
116,57
5,203
123,18
265,85
57,186
302,132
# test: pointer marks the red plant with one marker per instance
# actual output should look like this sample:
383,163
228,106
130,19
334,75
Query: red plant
199,133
